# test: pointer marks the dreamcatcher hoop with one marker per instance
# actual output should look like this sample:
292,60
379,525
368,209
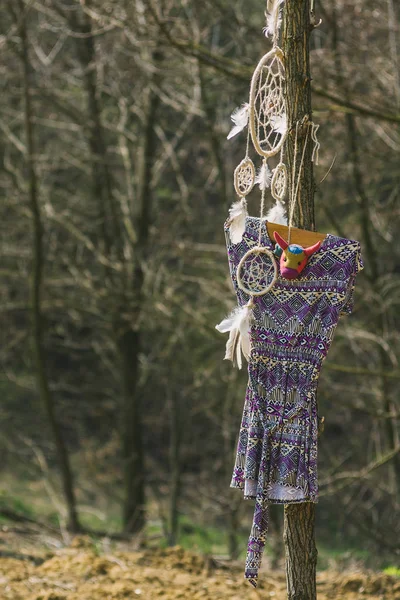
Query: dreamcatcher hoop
244,177
252,280
279,182
267,118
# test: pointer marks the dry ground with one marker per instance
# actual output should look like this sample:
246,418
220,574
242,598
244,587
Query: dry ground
82,571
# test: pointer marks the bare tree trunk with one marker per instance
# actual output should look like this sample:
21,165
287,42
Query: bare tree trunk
36,288
300,551
110,234
299,522
295,42
176,431
128,343
134,509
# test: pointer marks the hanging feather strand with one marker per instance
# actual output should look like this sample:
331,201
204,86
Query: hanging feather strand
274,19
238,326
263,177
237,220
277,214
240,118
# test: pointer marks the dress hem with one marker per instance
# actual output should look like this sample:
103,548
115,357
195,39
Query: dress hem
275,500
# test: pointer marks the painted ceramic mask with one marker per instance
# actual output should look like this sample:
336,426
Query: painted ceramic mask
294,257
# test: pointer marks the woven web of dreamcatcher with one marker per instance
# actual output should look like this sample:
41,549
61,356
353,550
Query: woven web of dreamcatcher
267,104
255,273
244,177
279,182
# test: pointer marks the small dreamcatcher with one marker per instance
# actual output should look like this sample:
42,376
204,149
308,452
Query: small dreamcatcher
244,177
279,182
255,275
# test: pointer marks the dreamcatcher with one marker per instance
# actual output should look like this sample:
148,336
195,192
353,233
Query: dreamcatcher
267,118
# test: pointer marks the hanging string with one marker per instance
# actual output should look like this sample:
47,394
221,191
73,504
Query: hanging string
317,145
295,189
281,154
247,142
264,166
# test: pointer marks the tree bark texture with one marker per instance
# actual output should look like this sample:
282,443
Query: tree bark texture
300,551
128,343
134,480
37,285
109,231
175,465
295,46
299,521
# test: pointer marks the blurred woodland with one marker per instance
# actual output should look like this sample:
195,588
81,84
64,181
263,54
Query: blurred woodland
118,413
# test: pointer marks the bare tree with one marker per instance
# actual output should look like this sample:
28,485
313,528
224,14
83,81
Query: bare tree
299,533
38,343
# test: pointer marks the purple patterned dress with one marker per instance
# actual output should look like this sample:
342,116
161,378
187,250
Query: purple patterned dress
292,329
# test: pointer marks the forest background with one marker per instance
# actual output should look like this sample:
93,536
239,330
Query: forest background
118,414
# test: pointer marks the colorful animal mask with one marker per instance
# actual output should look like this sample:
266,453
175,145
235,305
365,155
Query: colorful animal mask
294,257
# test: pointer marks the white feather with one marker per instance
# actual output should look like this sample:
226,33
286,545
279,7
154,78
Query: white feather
238,325
232,321
274,19
263,177
279,123
237,225
240,118
232,345
277,214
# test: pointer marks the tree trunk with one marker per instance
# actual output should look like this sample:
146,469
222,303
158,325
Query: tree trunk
36,288
175,465
299,522
128,343
295,46
133,513
109,230
300,551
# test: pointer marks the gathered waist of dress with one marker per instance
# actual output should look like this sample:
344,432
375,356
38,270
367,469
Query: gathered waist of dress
312,348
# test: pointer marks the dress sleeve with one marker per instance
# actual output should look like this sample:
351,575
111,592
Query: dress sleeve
235,253
356,265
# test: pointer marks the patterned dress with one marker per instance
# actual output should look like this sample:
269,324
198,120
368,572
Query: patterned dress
292,329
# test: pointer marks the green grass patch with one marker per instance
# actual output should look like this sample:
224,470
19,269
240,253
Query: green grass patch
15,504
195,536
392,570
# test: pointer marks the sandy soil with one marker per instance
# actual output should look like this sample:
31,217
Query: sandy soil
83,571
